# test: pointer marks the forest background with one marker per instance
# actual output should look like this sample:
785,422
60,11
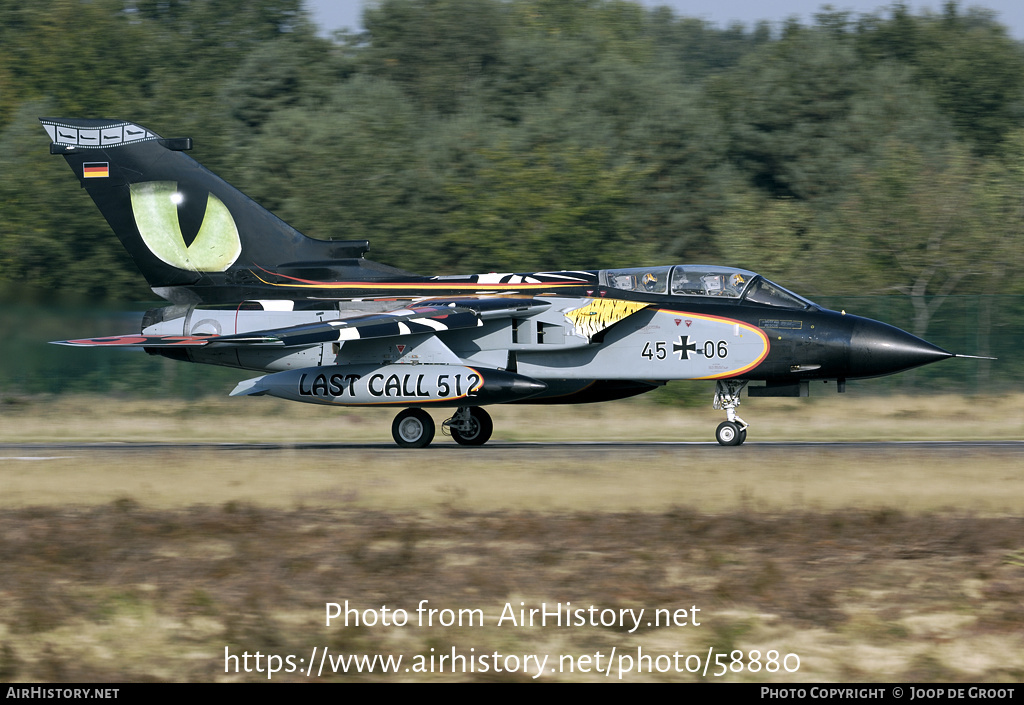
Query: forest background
873,159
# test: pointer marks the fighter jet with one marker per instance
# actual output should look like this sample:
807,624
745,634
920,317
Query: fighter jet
327,326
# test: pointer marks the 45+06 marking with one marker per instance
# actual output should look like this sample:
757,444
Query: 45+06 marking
683,347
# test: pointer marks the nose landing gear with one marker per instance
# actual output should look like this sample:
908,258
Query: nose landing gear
732,432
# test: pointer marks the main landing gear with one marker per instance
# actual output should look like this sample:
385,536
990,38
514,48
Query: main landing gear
727,396
413,428
469,426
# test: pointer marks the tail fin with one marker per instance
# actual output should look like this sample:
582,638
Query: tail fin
194,237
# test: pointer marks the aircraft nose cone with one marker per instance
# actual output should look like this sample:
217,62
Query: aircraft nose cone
880,349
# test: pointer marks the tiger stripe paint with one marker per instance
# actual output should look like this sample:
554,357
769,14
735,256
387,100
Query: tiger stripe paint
475,287
599,314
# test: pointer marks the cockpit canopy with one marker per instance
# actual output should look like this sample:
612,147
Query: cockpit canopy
703,280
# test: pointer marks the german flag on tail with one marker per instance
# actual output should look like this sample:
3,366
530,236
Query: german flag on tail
95,170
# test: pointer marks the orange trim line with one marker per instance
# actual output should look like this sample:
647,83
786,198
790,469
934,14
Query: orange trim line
732,321
308,284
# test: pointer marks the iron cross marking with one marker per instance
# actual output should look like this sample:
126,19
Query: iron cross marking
684,347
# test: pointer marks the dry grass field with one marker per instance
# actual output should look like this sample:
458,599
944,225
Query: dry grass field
885,563
264,419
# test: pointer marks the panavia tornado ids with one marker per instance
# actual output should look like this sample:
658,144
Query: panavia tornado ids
327,326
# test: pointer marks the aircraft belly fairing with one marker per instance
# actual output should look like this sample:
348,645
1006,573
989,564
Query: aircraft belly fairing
330,327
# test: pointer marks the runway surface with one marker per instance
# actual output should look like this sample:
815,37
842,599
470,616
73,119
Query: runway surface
1013,447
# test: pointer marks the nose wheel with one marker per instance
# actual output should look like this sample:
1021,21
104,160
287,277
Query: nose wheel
729,433
732,432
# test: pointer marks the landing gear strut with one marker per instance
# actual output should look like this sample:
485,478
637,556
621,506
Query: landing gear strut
413,428
727,396
470,426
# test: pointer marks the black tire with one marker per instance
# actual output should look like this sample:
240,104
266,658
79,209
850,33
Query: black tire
730,434
413,428
743,437
481,431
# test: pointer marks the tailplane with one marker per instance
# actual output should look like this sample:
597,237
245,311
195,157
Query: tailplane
195,237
